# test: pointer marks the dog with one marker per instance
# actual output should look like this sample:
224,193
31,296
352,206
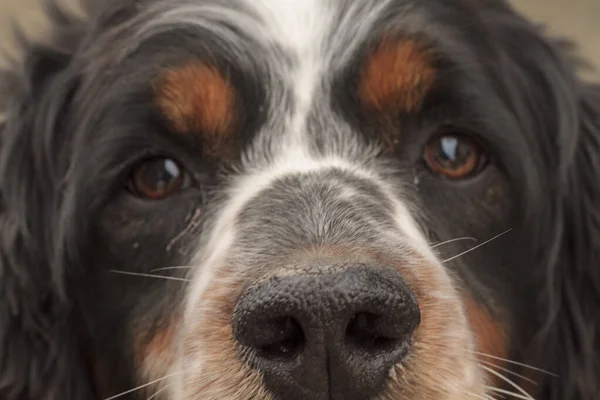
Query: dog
316,199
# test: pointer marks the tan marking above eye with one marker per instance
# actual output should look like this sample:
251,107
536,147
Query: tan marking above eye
396,77
196,98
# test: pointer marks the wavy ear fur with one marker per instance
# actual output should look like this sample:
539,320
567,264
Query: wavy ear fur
560,114
567,119
40,356
571,339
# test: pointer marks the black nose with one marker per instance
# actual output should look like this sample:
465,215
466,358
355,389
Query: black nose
327,335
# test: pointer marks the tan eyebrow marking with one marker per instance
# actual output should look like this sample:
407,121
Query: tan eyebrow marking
396,77
196,98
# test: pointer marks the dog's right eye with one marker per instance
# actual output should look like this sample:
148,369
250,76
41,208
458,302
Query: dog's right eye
157,178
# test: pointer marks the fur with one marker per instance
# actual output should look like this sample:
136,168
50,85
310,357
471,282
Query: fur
71,330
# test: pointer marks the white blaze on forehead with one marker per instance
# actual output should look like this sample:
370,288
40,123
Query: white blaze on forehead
296,24
301,28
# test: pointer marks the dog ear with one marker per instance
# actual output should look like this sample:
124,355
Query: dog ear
559,116
39,351
571,337
567,343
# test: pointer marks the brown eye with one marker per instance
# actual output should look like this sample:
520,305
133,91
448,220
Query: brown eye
454,156
158,178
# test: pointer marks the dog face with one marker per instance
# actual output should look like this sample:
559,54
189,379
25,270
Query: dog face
298,200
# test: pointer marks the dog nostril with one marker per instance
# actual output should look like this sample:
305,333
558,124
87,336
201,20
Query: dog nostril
333,335
367,332
283,338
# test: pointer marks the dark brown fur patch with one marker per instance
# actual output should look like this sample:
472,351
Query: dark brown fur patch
197,98
396,77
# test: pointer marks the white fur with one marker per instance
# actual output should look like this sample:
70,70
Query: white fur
300,28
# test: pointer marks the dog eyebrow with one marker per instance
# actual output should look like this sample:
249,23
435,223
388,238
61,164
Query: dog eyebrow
396,76
197,99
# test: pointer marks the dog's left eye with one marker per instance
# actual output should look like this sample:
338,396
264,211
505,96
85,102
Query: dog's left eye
158,178
454,156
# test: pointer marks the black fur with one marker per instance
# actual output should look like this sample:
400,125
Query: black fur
44,353
563,114
40,356
571,291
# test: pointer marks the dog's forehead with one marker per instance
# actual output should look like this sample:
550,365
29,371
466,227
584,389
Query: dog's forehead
309,37
295,26
298,50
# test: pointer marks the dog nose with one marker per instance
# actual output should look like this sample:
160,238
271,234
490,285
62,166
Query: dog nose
327,335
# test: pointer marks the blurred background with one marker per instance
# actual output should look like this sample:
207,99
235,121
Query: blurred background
577,19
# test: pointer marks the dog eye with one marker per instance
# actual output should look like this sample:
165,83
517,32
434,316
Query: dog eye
158,178
454,156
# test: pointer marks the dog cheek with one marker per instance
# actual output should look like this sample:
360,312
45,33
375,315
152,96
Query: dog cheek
155,352
442,364
490,338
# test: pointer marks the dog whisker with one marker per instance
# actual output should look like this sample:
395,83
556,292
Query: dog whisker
433,246
145,385
506,370
509,381
496,396
169,278
509,393
476,247
173,268
159,391
515,363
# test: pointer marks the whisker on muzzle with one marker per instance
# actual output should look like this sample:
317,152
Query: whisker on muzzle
515,363
509,393
433,246
476,247
159,391
145,385
523,393
173,268
169,278
506,370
